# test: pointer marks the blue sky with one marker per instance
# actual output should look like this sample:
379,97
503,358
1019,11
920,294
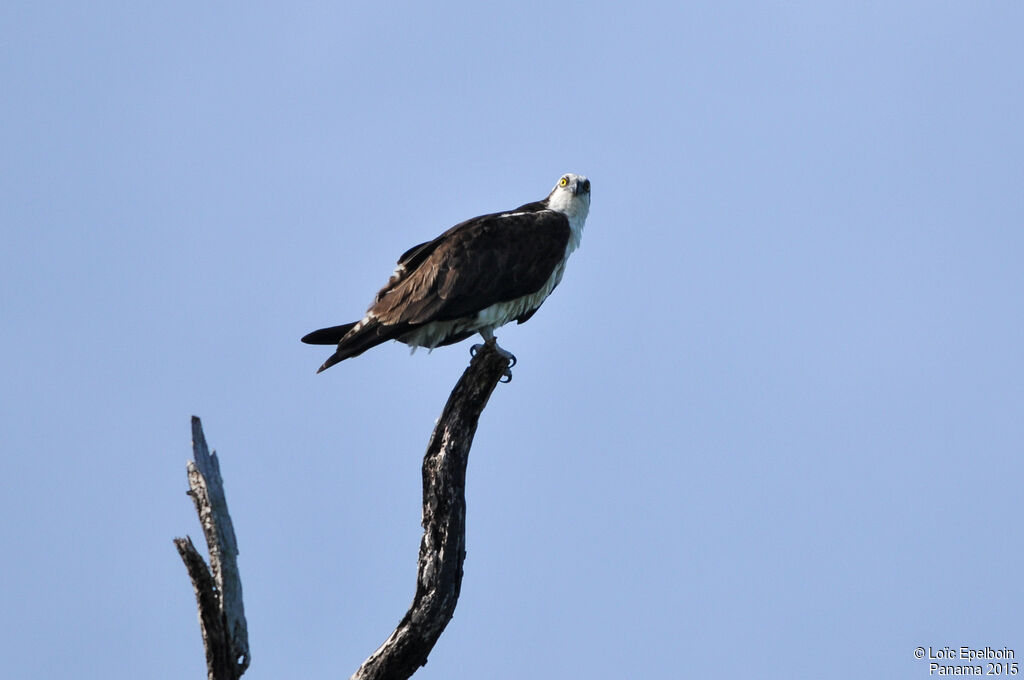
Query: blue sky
770,425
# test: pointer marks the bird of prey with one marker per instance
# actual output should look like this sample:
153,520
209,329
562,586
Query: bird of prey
473,278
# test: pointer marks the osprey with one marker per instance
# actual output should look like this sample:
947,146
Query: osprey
473,278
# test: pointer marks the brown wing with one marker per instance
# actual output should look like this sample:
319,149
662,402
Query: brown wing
407,263
473,265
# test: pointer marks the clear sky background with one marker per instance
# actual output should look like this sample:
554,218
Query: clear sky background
771,424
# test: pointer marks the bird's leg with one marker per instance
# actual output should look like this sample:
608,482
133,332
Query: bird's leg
488,335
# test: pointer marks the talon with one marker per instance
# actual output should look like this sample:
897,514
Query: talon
506,376
512,361
475,349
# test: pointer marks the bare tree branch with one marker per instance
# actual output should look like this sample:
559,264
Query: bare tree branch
443,547
218,588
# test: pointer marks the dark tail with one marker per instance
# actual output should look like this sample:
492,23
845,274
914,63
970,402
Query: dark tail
351,341
328,336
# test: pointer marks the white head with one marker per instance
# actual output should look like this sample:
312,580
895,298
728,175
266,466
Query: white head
571,196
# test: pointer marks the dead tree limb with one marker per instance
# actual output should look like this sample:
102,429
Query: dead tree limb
443,547
218,587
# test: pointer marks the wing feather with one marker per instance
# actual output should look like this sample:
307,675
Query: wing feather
489,259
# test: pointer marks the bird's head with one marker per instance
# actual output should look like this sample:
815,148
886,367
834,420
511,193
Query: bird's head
571,195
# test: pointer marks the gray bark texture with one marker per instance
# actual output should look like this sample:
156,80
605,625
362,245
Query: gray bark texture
218,588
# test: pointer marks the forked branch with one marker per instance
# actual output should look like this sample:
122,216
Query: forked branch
218,587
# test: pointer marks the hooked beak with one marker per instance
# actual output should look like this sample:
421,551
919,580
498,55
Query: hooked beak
582,187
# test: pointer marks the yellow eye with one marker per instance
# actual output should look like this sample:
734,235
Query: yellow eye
563,182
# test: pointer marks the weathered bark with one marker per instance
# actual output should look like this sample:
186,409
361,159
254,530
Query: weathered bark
218,587
443,547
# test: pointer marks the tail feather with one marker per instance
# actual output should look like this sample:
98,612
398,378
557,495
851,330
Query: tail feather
355,341
328,336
